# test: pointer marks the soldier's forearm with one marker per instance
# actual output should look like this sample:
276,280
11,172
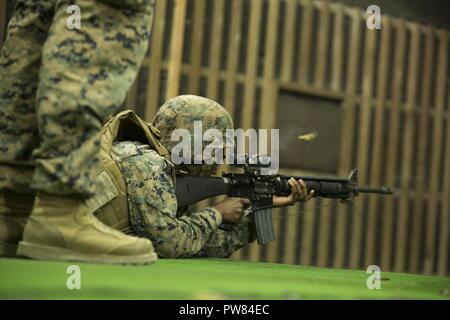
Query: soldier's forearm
181,237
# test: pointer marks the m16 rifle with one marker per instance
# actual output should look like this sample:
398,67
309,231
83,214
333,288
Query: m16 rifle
260,190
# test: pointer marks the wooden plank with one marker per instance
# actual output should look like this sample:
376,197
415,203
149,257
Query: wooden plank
306,40
252,55
267,121
289,42
324,233
378,143
131,99
392,147
215,49
421,180
364,142
176,48
196,46
291,233
3,25
319,82
312,91
155,65
347,139
234,43
269,83
407,152
267,116
338,54
322,48
444,231
307,236
436,154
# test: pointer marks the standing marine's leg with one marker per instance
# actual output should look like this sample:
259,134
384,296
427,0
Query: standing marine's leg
83,78
19,72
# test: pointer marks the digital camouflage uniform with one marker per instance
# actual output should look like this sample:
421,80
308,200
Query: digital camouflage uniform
151,191
59,86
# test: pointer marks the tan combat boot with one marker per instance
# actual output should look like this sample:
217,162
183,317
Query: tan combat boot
61,228
15,208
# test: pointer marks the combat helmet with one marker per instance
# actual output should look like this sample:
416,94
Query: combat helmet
186,112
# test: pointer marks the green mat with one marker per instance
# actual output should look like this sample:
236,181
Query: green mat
208,279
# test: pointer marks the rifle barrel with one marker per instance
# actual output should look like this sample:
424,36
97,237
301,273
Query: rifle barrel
381,190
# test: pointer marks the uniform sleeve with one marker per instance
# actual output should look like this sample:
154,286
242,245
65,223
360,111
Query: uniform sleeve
223,243
183,237
153,208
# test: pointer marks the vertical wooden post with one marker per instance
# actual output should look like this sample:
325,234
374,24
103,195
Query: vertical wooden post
306,39
338,54
3,27
378,143
322,49
436,153
347,139
288,43
252,55
234,43
364,142
196,46
267,116
325,226
444,230
215,49
420,179
319,82
131,99
407,150
392,147
307,237
176,48
214,68
154,74
291,232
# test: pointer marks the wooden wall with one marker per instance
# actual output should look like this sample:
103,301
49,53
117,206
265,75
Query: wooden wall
393,88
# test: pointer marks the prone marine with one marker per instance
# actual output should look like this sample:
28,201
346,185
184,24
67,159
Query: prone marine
141,179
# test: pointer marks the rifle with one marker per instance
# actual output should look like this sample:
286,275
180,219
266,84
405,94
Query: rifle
260,190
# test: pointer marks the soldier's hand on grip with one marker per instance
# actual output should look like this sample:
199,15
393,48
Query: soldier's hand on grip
232,209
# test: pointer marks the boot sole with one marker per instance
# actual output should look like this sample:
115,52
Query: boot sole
8,250
40,252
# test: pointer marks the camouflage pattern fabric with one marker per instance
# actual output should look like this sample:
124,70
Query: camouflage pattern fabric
58,87
181,112
153,210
